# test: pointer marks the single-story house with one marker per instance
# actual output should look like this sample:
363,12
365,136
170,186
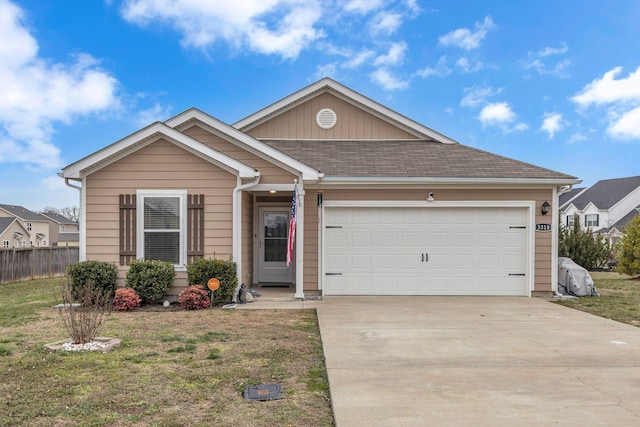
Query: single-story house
386,205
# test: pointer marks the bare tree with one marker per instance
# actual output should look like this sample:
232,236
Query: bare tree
72,213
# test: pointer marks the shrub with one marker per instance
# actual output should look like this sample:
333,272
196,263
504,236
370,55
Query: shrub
201,270
126,299
194,298
101,275
83,321
583,247
628,248
150,279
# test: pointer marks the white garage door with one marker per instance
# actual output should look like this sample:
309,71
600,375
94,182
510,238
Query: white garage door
425,251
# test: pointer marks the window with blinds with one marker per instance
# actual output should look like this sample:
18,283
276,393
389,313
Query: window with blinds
162,229
162,226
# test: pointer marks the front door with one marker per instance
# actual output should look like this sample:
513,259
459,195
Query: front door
274,229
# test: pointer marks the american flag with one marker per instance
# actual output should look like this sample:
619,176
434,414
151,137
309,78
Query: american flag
292,225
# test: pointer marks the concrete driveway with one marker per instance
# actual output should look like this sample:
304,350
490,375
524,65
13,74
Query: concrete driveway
477,361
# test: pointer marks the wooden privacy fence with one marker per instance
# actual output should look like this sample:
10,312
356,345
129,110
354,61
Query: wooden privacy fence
35,263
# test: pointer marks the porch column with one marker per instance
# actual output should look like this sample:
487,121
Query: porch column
300,243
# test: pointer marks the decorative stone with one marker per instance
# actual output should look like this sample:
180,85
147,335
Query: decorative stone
102,344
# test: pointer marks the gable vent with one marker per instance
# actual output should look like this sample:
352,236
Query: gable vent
326,118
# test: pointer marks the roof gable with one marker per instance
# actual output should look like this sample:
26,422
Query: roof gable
7,222
146,136
57,218
607,193
22,213
327,85
193,116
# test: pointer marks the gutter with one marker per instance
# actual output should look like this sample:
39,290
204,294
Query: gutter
237,229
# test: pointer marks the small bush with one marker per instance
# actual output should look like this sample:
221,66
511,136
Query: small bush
150,279
201,270
126,299
101,275
84,320
194,298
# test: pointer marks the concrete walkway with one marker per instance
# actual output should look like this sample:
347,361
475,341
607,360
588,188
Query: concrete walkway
467,361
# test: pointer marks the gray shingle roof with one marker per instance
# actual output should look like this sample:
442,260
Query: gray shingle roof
5,222
565,197
23,213
606,193
60,219
412,158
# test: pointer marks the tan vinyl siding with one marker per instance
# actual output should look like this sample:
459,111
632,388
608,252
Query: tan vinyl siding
543,241
352,123
159,166
269,173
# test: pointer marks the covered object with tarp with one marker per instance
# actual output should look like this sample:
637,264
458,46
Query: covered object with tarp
574,280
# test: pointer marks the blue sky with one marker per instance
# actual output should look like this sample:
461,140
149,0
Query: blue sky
553,83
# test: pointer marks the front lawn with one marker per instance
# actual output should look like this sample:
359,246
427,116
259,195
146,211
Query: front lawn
174,368
619,298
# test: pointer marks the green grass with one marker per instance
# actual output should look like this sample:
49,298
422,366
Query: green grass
173,368
22,302
619,298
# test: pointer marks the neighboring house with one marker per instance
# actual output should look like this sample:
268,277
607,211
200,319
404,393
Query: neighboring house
387,206
36,225
63,231
606,207
12,233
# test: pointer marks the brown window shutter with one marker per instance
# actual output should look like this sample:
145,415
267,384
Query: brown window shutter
127,228
195,227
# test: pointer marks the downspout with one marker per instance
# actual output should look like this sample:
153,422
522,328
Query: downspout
82,256
237,229
558,191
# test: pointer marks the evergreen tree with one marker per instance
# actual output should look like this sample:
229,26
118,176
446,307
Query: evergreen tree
628,248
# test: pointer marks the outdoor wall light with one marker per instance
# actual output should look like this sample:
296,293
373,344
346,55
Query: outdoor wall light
273,191
545,208
430,197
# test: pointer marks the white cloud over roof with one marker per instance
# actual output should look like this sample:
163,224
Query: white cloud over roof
552,123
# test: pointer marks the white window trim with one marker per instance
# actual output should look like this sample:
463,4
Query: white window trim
5,243
590,218
140,196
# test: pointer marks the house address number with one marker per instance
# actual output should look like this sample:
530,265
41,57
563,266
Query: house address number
543,227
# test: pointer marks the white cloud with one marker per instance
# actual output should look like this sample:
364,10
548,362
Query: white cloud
278,27
627,126
551,123
440,70
499,114
621,98
363,6
327,70
358,59
607,89
477,96
388,81
466,39
394,56
576,137
466,66
536,61
35,93
386,23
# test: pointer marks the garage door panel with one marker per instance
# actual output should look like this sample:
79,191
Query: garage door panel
426,251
